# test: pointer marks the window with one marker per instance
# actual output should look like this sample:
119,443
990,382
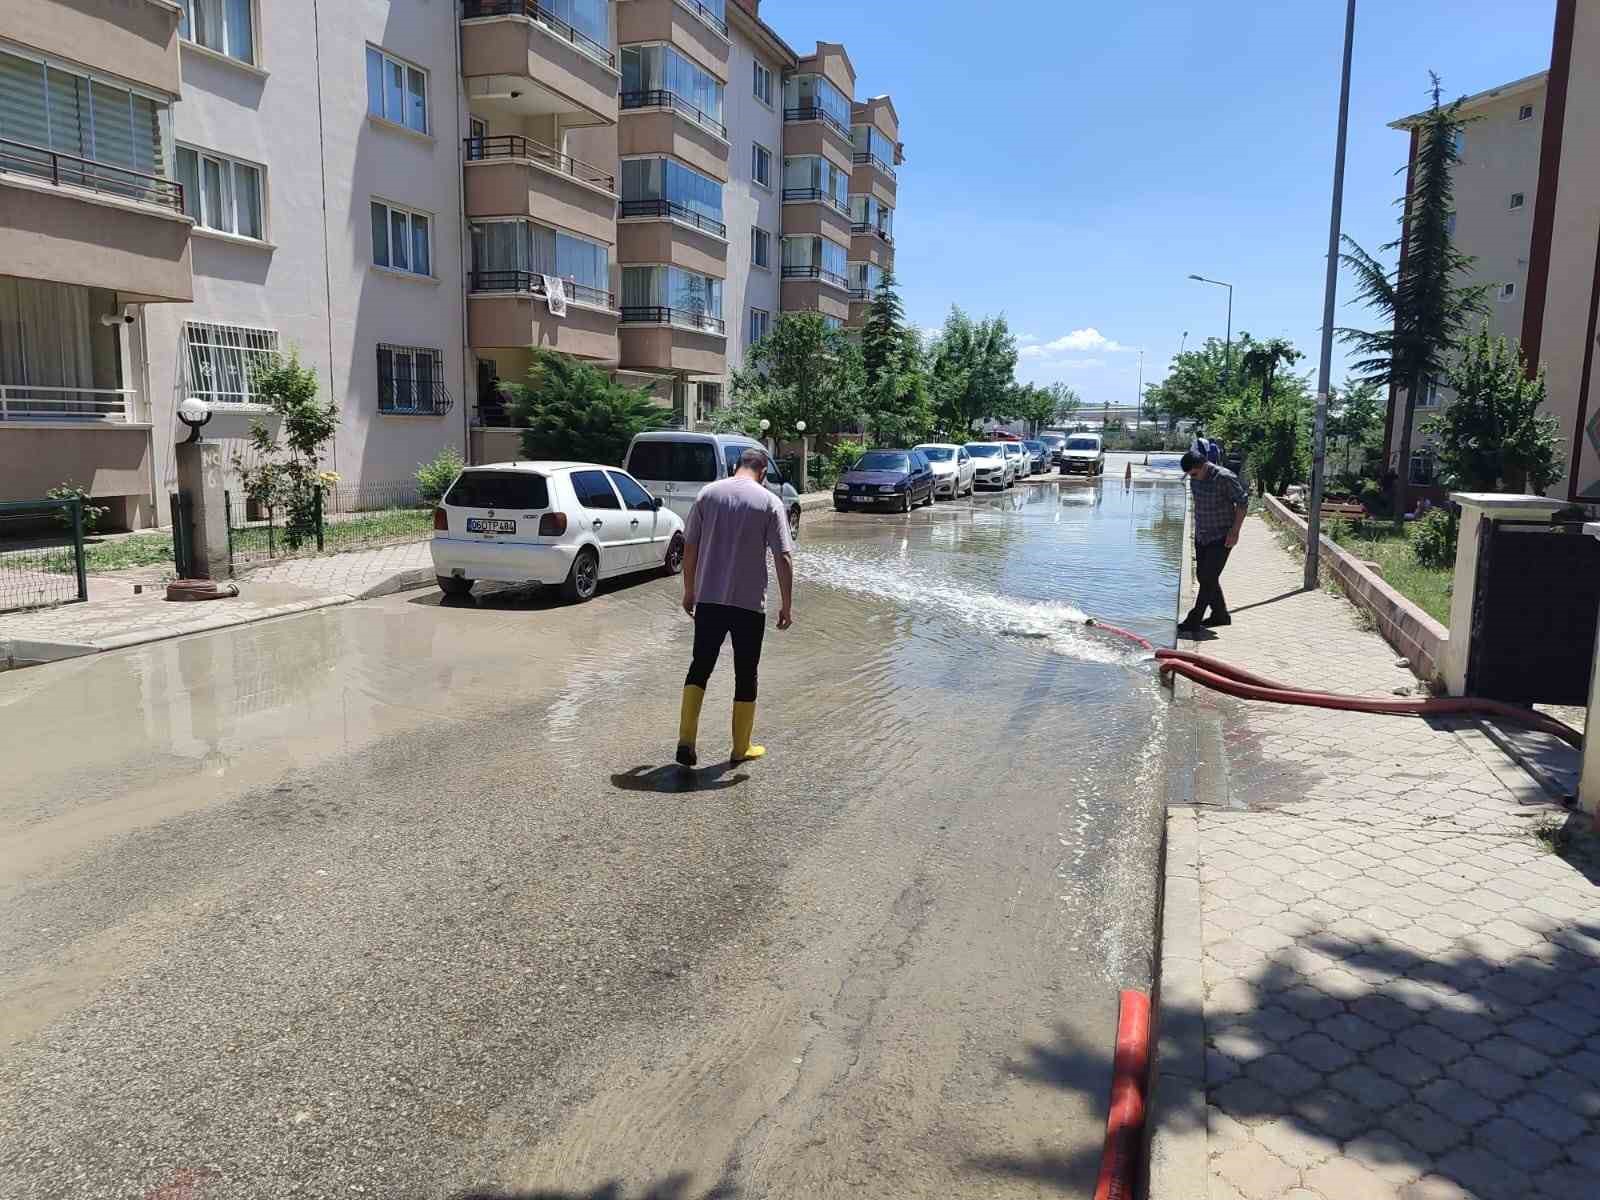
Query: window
634,497
1450,224
761,165
665,187
708,398
396,91
761,249
1507,291
811,97
400,240
812,177
226,26
220,361
499,489
672,295
672,461
509,256
410,380
760,322
830,322
865,279
220,193
763,83
649,71
1518,199
1525,113
869,141
868,215
1422,467
591,18
816,257
593,491
45,105
1460,142
1429,397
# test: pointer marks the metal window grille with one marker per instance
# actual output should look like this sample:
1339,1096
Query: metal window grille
220,362
411,380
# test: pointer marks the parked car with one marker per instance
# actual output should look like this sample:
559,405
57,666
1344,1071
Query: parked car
992,469
1053,443
1084,454
900,478
675,465
1018,457
556,523
1038,456
953,470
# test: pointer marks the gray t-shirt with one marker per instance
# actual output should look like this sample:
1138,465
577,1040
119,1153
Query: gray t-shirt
734,522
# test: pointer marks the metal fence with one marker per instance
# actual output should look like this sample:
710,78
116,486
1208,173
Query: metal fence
340,519
41,554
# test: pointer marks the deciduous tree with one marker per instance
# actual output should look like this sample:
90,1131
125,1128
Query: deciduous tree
1495,434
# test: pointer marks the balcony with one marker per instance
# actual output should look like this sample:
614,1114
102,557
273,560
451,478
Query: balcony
654,338
508,311
706,15
671,211
811,112
523,61
528,283
826,276
77,220
22,402
137,42
686,318
688,27
513,175
814,195
663,99
876,163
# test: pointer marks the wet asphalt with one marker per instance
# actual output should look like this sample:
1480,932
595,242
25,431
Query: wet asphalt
404,898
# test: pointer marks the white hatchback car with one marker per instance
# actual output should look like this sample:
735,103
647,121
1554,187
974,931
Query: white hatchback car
1021,462
953,470
555,523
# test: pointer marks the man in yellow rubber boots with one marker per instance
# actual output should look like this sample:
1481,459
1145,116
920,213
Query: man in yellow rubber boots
730,529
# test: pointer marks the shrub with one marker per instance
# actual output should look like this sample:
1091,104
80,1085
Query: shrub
91,512
434,478
1433,538
574,411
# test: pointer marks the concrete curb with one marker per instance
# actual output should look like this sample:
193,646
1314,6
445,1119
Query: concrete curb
23,652
400,581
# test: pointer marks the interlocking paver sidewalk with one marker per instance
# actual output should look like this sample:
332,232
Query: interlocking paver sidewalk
1401,982
282,588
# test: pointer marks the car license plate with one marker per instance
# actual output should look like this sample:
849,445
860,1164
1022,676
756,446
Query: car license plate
485,525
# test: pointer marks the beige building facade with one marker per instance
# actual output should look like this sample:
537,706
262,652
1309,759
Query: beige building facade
411,197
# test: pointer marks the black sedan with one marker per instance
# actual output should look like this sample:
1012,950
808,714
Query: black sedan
894,478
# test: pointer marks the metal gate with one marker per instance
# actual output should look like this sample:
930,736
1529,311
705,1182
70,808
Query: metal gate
1535,612
41,553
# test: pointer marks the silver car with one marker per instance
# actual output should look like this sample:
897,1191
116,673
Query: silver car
953,469
1017,456
992,469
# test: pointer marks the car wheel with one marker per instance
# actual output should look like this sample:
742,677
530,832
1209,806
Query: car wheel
905,502
794,523
451,586
583,579
674,560
928,503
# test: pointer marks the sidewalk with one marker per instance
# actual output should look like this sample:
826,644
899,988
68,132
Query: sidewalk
1378,981
114,617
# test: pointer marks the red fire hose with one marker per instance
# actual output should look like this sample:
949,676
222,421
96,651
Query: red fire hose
1234,681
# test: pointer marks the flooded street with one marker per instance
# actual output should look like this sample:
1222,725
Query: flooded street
402,899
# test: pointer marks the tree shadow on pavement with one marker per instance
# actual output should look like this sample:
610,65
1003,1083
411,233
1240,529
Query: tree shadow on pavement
1070,1065
673,1187
672,780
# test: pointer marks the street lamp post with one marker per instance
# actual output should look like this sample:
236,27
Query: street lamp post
1325,367
1227,353
805,456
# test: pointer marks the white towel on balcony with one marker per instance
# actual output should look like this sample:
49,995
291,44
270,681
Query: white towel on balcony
555,295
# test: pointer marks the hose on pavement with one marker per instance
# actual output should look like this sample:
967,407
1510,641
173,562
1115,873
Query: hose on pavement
1235,681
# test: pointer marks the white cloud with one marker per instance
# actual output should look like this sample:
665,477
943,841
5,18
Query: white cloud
1026,339
1076,342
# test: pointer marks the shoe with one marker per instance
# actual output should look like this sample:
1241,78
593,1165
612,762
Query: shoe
744,723
689,724
1215,620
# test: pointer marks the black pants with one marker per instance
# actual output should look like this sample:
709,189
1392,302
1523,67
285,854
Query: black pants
1208,563
713,623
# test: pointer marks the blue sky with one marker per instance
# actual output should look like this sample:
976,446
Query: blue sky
1069,163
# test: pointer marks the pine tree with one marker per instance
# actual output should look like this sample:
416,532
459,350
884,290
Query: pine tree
896,391
1426,311
575,412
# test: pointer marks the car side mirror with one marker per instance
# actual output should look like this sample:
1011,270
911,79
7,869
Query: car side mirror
655,503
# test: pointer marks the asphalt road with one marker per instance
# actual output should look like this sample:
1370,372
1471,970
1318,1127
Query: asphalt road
401,899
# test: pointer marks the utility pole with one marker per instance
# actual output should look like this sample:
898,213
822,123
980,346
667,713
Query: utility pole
1325,368
1227,353
1138,397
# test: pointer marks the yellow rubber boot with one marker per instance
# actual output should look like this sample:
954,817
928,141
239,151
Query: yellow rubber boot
689,724
744,723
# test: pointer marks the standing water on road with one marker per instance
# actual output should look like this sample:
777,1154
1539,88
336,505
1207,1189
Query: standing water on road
404,898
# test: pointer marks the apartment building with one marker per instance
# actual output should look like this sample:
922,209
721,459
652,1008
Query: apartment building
1496,183
93,237
412,196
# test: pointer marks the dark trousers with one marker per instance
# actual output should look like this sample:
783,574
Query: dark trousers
713,623
1208,563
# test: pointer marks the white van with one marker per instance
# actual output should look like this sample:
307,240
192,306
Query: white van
675,465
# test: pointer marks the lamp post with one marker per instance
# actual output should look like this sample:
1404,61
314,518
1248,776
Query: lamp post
766,425
1324,369
805,457
1227,353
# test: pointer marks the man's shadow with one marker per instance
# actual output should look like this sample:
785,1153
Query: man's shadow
672,780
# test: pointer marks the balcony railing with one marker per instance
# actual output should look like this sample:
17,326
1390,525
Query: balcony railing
675,211
531,283
661,98
796,195
531,10
706,15
25,402
862,158
482,149
413,397
822,273
861,293
655,314
810,112
21,158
